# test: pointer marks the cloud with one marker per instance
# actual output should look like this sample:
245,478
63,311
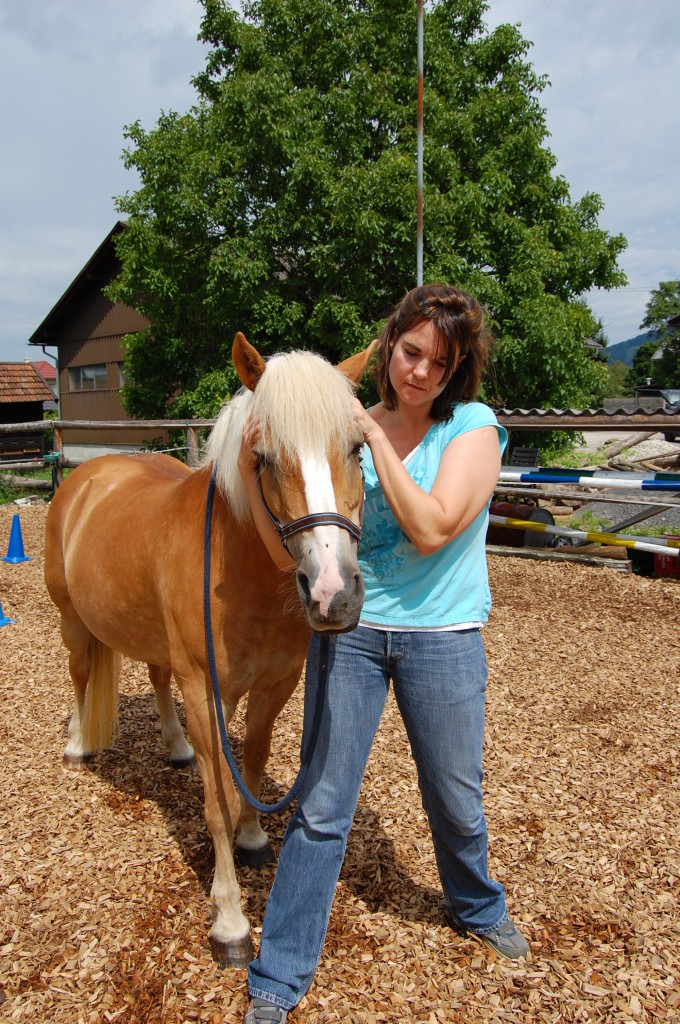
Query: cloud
614,120
73,73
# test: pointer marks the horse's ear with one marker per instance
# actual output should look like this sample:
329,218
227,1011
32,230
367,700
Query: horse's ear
354,366
248,362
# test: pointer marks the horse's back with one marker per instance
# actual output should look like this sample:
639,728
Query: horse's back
107,483
108,471
105,531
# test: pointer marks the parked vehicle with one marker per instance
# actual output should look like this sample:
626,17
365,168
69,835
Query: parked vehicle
667,399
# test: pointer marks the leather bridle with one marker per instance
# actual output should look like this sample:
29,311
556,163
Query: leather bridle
308,522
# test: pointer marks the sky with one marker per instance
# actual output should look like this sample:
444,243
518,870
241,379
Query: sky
73,73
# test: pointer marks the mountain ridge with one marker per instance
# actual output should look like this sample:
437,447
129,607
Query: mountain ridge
624,351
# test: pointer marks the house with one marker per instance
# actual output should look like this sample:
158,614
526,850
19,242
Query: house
23,394
48,372
87,331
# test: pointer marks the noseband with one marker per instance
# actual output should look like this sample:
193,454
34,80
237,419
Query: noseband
308,522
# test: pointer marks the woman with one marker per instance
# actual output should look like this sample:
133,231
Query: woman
431,460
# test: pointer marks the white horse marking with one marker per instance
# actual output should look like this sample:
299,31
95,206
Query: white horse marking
320,495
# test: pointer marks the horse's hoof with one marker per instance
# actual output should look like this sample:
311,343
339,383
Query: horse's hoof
238,953
77,760
257,858
184,762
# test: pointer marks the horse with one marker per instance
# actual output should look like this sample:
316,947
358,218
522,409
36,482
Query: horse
124,565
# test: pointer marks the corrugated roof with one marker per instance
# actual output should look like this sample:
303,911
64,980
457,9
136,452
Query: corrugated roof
21,382
587,419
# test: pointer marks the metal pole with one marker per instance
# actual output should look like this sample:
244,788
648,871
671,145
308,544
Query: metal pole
419,254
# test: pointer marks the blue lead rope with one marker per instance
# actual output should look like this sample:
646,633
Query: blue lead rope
305,755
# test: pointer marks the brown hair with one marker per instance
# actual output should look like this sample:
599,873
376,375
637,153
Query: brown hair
459,321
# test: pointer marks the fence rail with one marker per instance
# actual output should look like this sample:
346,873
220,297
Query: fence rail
534,420
190,428
517,419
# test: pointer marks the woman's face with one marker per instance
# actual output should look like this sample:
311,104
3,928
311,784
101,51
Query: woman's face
417,365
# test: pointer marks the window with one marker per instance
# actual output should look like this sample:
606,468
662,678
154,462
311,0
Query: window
87,378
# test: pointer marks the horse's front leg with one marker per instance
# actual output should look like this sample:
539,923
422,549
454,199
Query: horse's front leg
172,734
230,940
252,844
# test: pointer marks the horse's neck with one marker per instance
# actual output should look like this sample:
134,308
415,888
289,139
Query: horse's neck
241,545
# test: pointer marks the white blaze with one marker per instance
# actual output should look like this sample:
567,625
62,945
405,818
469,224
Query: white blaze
321,498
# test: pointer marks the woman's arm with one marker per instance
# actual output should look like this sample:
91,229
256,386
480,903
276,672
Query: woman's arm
247,467
467,475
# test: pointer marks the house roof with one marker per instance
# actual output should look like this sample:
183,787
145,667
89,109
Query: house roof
47,371
21,382
44,333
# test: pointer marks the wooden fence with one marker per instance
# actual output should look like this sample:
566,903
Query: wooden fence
645,423
191,430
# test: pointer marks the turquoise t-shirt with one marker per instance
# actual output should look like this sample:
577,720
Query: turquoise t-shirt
404,588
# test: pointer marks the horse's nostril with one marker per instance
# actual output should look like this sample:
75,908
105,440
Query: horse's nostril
303,583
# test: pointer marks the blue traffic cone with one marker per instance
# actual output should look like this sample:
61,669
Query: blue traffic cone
15,551
3,618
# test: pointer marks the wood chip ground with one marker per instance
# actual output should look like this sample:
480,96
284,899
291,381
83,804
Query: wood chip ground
105,872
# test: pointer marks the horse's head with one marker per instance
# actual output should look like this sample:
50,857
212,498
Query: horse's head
310,472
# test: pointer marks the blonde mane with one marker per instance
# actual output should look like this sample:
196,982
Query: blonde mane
302,403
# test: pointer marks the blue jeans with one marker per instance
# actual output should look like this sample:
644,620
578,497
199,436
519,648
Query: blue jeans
439,683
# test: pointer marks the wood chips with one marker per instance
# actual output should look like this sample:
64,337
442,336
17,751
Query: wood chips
105,872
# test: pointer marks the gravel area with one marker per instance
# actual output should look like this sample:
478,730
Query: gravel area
105,873
645,451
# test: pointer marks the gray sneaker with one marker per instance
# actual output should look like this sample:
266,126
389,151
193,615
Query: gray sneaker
262,1012
506,941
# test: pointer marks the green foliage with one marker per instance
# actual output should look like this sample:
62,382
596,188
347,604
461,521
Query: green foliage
618,382
8,492
154,444
206,400
648,531
663,305
643,368
558,447
283,204
589,522
209,395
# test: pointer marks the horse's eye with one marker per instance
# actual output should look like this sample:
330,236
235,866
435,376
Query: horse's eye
263,460
356,450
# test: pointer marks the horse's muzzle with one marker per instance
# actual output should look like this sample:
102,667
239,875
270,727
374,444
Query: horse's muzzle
337,614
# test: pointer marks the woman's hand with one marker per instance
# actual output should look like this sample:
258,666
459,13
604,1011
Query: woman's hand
363,418
247,459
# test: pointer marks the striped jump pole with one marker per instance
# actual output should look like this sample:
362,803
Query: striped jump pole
663,545
591,478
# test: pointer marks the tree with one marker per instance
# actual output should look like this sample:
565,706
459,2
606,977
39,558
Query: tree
283,204
618,385
642,369
664,305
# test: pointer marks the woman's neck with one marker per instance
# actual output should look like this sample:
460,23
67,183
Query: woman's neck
405,427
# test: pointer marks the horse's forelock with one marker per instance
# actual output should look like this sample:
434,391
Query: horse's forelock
303,404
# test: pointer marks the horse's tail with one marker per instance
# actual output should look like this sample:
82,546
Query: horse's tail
99,715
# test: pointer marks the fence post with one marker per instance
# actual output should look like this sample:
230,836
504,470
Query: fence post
57,468
192,447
